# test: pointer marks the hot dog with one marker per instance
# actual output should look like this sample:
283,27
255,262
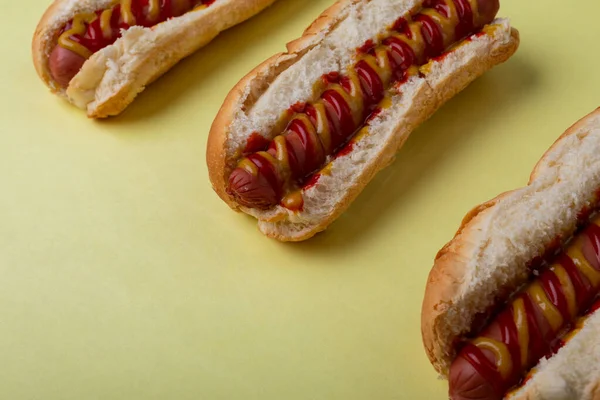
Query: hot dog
534,282
319,129
289,129
100,54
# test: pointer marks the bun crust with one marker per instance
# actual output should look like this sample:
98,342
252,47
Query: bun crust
487,259
112,77
274,82
595,390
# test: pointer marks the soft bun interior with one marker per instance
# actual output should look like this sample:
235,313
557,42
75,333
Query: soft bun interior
490,254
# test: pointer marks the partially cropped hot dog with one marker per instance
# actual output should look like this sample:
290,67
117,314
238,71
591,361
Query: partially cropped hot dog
298,138
533,325
510,309
101,53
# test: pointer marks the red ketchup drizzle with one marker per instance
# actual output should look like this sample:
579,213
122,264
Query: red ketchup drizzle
580,284
368,47
595,307
256,142
593,232
312,181
402,57
370,83
267,170
374,114
298,107
559,344
510,337
315,155
166,7
332,77
346,83
340,115
538,345
527,379
93,39
475,356
434,41
295,163
555,293
401,26
465,18
138,11
347,149
442,8
335,134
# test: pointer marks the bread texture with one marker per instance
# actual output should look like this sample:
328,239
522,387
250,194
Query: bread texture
329,45
488,259
112,77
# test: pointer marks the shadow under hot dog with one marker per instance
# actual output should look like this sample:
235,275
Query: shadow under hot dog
201,68
424,152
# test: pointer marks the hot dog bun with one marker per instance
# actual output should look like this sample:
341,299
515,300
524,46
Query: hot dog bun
330,45
113,76
488,260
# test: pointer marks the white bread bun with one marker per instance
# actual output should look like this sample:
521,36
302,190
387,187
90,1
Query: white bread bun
329,45
112,77
488,260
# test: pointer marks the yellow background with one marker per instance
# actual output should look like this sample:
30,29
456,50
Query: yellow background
122,276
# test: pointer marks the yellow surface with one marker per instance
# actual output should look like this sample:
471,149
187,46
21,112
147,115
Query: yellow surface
124,277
